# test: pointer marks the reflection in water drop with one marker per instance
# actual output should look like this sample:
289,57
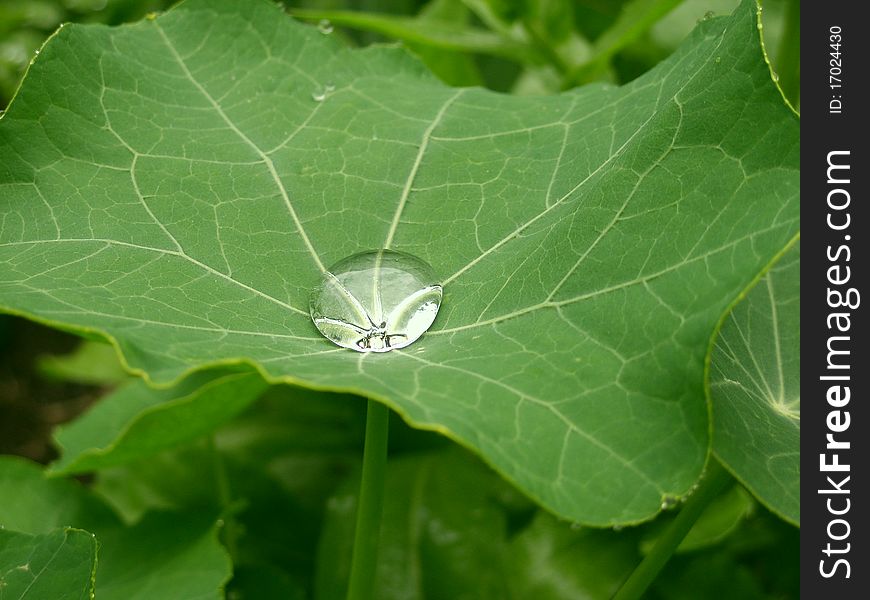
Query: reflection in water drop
376,301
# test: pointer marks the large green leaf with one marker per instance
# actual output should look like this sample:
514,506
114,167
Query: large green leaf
755,388
59,565
137,421
172,556
173,186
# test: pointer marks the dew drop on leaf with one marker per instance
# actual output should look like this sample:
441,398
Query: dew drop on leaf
668,502
318,95
325,26
376,301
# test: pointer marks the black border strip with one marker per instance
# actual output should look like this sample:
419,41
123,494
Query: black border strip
833,278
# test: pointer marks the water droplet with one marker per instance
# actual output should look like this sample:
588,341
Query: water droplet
318,95
36,52
775,76
325,26
718,59
329,87
376,301
669,502
617,528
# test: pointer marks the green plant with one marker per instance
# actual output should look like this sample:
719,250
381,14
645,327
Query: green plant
176,187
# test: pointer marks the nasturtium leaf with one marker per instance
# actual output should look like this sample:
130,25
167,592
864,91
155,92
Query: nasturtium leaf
755,388
59,565
50,503
91,363
171,556
175,187
137,421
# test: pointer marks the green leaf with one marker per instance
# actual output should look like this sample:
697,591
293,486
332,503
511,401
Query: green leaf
91,363
552,561
51,503
755,389
173,186
137,421
171,556
59,565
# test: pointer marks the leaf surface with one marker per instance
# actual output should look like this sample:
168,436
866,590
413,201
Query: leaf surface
171,556
137,421
173,186
59,565
755,388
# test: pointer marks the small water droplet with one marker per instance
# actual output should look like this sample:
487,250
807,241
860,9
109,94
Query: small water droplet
36,52
329,87
325,26
376,301
318,95
617,528
669,502
775,76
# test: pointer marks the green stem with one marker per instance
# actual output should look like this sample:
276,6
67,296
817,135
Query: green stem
788,57
371,499
645,573
225,496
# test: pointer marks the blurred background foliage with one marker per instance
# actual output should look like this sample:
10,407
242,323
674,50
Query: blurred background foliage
515,46
293,456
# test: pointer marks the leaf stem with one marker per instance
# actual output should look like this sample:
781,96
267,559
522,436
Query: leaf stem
640,579
371,499
225,496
